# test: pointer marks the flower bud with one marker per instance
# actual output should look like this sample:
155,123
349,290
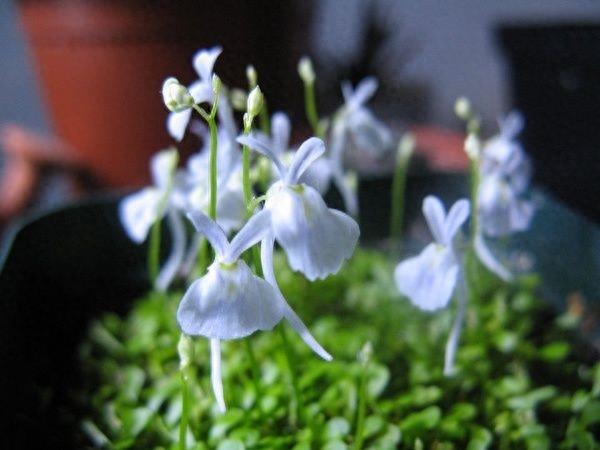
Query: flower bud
255,102
185,349
216,84
462,108
251,75
305,70
472,146
176,96
406,147
238,99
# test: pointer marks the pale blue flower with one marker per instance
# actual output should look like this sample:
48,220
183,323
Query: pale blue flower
429,279
315,238
229,301
139,211
505,172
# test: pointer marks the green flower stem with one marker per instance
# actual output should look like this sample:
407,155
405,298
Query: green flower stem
154,250
185,408
212,211
399,187
474,181
296,400
310,107
361,408
265,122
155,235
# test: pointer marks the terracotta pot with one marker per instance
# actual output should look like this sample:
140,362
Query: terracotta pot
101,64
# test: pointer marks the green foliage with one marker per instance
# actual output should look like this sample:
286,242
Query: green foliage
520,383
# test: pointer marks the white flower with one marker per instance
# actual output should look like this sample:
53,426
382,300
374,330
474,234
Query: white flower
321,172
315,238
140,210
367,132
230,302
501,209
201,91
429,279
505,172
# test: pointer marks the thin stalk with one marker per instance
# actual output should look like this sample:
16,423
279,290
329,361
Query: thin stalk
296,401
154,251
212,211
454,336
405,150
185,409
254,367
265,122
361,409
310,107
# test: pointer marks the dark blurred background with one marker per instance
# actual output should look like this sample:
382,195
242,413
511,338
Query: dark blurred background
79,91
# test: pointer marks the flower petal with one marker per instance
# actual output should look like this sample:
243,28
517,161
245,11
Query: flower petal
318,175
280,132
435,215
162,167
428,279
266,257
369,133
215,373
512,124
177,123
348,194
175,259
139,211
364,90
204,62
258,145
309,151
201,91
315,238
211,230
487,258
254,230
229,303
458,214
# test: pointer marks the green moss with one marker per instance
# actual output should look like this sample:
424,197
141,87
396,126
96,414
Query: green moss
520,381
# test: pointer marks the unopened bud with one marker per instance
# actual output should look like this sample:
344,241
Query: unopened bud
251,75
238,99
472,146
406,147
176,96
305,70
462,108
185,349
216,84
255,102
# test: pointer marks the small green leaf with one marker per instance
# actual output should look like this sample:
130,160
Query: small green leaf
231,444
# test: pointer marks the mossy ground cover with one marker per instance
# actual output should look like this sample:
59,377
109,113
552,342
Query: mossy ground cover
523,378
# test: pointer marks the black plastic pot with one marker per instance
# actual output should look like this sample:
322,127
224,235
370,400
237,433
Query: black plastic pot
58,270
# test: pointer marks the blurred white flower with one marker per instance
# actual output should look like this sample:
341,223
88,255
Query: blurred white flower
505,172
367,132
139,211
429,279
315,238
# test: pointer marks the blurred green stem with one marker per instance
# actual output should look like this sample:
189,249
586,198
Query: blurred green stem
361,408
185,409
405,150
296,403
310,107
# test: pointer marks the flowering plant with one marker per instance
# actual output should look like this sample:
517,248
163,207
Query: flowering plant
379,384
